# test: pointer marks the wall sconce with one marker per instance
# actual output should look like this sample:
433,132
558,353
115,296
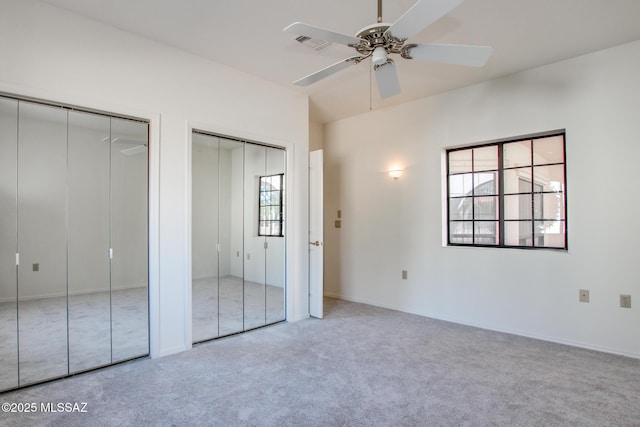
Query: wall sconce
395,173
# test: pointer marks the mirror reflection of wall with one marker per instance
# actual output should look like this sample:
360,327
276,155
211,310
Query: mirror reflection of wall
73,212
238,273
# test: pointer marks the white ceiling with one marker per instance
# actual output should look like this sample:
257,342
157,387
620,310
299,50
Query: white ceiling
247,35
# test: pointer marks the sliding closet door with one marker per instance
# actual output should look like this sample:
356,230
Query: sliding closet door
8,236
254,242
88,241
129,263
272,226
42,242
205,197
231,236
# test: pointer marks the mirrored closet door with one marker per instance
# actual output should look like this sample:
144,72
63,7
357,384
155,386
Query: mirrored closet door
89,241
73,241
272,228
254,242
230,235
205,219
238,244
42,242
8,244
129,240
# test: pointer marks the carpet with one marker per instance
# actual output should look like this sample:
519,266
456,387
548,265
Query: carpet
359,366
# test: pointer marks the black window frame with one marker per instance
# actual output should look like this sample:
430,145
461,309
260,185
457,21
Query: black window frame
280,205
500,193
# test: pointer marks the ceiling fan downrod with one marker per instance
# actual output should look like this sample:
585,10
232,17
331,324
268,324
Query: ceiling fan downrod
379,11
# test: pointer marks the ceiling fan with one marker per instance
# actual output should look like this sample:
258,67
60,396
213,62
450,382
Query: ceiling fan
380,40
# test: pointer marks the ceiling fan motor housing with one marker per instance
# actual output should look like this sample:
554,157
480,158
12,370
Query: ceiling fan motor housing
376,35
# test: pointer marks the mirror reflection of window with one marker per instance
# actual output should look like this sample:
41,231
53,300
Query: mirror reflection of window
271,205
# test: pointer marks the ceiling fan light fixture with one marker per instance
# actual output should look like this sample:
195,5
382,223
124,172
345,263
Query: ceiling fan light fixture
379,56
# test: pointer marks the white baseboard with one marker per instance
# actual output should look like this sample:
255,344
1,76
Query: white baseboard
526,334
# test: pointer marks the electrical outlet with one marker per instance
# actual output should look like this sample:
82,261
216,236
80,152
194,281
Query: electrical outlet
404,274
584,295
625,301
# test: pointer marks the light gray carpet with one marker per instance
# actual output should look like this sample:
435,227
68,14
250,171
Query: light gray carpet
360,366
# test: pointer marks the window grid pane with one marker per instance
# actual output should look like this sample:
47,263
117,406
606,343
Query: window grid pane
485,158
460,208
516,154
547,151
460,185
485,233
508,194
460,161
461,232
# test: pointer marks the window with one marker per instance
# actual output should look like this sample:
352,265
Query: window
271,206
508,194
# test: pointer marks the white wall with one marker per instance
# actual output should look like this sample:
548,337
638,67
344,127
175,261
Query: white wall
51,54
389,226
316,136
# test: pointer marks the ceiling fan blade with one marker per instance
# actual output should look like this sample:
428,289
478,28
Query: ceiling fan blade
387,79
326,72
420,16
471,56
301,29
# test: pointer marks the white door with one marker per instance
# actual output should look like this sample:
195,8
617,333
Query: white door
316,239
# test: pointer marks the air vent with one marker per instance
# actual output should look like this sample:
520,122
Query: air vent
315,44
